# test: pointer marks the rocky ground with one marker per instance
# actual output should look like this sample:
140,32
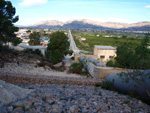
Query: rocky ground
59,92
74,99
31,69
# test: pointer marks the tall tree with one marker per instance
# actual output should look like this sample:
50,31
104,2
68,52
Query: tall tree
34,38
58,47
134,57
7,20
136,60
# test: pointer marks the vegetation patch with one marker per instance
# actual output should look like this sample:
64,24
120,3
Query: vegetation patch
108,86
78,68
58,47
97,85
75,68
31,51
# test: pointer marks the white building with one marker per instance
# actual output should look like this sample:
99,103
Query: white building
104,53
41,48
22,33
83,39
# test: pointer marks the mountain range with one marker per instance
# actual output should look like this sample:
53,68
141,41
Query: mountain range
93,25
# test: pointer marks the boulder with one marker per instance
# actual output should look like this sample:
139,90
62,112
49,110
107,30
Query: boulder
10,93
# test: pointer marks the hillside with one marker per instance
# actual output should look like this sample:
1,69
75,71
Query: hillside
92,25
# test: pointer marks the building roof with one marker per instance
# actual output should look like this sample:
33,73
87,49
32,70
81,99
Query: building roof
31,47
104,47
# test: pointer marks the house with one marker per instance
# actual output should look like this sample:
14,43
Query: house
104,53
83,39
44,41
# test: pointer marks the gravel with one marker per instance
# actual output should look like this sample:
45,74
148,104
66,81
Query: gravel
74,99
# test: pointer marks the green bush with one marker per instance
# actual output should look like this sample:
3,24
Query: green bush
110,63
72,58
28,51
113,63
76,68
70,52
16,41
58,47
134,57
4,48
36,51
56,57
108,85
34,38
97,85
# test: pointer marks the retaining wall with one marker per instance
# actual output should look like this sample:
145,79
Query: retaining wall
76,57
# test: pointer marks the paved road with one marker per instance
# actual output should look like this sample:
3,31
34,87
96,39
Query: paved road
72,43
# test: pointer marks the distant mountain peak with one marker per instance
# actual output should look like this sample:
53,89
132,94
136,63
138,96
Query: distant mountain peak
49,22
87,24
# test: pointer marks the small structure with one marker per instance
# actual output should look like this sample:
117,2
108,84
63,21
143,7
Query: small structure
44,41
104,53
41,48
83,39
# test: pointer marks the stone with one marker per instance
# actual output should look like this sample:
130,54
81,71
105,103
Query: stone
49,101
48,109
18,104
71,99
1,86
10,109
95,103
10,93
38,109
55,107
98,108
18,111
72,109
18,108
84,110
139,102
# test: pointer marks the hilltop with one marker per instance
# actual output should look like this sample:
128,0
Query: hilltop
90,24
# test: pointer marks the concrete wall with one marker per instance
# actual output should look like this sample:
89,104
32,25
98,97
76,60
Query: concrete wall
22,47
76,57
102,72
97,72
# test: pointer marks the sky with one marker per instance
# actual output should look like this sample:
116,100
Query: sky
124,11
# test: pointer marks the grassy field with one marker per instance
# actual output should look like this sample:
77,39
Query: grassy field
112,41
93,39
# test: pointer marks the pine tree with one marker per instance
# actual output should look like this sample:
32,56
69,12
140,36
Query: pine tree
7,20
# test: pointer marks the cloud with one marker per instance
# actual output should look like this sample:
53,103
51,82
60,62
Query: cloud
29,3
147,6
